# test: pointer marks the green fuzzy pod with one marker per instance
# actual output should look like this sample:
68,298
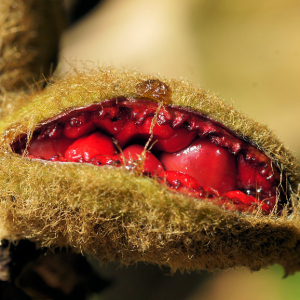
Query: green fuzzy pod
118,215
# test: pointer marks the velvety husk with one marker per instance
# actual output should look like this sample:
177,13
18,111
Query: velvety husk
119,215
29,32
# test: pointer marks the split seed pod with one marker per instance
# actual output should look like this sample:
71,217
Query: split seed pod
109,204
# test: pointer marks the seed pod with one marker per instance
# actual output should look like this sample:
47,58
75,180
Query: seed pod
123,207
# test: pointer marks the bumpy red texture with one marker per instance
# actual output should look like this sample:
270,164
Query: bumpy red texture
184,150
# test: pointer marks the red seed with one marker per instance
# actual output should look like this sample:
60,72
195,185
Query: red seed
250,177
186,184
185,180
110,119
247,200
87,147
179,140
179,118
79,126
53,130
159,131
77,132
107,125
128,133
150,164
210,165
49,147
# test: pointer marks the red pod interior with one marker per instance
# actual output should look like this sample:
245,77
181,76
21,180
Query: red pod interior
182,149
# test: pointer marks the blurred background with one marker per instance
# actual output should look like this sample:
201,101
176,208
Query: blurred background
247,52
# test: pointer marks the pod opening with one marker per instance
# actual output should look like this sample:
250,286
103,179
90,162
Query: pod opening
184,150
